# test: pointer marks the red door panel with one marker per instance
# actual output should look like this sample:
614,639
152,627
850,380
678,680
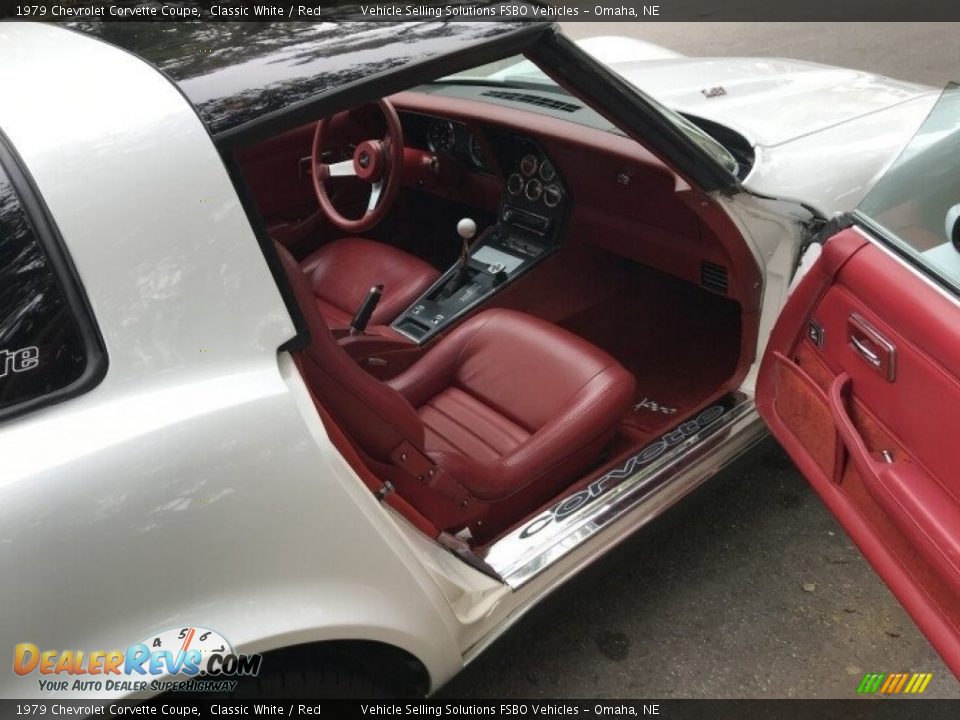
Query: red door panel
861,385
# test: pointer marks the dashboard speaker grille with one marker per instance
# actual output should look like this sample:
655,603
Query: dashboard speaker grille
533,100
713,277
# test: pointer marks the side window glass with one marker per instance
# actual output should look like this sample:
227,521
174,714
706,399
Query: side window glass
917,201
42,350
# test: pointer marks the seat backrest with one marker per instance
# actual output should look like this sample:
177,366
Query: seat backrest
374,415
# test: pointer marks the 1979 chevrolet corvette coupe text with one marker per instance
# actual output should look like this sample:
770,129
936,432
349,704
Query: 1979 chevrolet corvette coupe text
343,345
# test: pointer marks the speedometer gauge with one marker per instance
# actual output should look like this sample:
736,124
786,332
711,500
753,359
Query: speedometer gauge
441,136
476,152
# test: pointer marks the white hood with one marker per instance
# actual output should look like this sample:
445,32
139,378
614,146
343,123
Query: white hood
769,101
822,135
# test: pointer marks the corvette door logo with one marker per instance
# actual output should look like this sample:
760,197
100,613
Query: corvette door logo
602,484
19,361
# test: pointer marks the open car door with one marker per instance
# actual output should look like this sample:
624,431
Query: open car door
860,381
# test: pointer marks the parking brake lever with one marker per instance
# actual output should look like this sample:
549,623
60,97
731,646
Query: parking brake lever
369,304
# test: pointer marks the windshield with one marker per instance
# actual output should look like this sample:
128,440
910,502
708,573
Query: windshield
520,72
917,201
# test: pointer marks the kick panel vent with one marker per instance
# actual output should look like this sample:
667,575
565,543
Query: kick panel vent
532,100
713,277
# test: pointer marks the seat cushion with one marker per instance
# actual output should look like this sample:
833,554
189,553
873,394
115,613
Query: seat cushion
342,272
514,407
454,421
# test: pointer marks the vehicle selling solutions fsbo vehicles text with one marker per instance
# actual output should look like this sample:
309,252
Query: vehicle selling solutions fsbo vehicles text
507,709
503,11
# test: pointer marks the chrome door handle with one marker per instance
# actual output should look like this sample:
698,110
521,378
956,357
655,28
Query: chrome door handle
872,347
869,355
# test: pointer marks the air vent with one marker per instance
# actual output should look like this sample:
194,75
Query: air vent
713,277
532,100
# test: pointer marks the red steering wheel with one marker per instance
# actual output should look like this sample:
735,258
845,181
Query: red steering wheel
376,162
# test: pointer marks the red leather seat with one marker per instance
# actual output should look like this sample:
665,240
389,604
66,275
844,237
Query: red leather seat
492,422
342,272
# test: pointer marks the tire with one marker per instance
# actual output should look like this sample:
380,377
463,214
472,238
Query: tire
314,675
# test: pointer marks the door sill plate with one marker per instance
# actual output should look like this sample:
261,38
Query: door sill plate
690,451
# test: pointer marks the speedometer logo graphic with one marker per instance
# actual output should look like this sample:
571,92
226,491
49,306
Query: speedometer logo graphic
185,639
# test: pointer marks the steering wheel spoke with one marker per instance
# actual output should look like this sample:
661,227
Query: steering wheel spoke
340,169
375,190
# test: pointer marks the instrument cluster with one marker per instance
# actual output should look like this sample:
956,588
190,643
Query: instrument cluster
446,137
532,182
536,180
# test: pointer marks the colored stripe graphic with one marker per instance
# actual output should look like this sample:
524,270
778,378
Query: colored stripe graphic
871,682
894,683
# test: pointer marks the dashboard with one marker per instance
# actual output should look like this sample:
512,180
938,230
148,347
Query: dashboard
534,195
614,193
531,211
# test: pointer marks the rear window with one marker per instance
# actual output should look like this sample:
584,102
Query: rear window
48,350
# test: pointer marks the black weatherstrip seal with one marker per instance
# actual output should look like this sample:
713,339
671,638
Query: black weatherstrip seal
68,281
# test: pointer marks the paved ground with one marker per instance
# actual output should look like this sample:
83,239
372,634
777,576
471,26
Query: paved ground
751,590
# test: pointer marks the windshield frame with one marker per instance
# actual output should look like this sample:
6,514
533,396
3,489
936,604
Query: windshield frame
697,135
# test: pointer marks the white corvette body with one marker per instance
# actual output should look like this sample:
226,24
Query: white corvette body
195,485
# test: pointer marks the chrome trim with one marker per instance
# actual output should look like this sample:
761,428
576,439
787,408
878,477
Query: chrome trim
885,364
533,183
546,194
341,169
869,355
539,543
407,335
375,190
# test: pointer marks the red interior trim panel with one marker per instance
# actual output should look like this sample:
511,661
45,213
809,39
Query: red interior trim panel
861,384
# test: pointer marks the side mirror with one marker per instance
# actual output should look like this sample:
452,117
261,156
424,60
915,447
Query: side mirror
952,226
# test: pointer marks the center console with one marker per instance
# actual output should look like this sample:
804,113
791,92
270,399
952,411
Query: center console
528,229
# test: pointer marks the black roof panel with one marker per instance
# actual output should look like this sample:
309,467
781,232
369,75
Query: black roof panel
235,73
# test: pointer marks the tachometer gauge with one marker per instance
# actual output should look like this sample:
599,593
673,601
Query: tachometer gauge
528,166
547,173
552,195
441,136
476,151
534,190
515,184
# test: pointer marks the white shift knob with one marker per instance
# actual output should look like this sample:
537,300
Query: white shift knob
466,228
